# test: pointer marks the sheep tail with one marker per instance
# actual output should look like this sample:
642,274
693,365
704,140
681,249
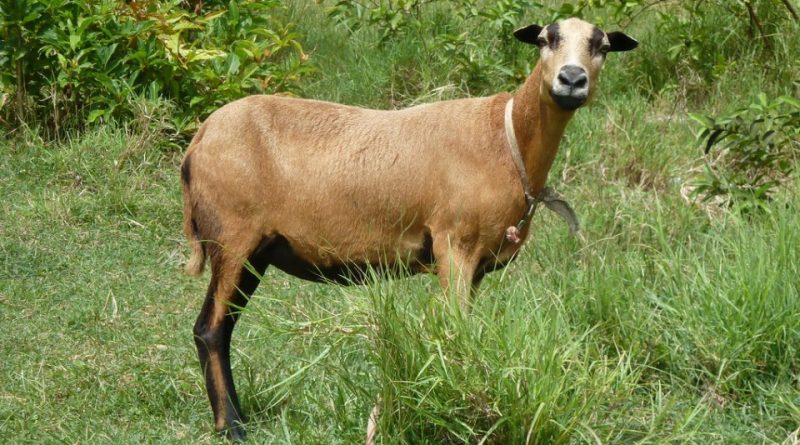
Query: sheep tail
197,259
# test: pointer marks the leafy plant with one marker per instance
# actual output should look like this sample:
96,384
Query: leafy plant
696,43
67,63
756,150
392,17
473,39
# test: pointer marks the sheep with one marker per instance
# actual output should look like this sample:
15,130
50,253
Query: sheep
325,191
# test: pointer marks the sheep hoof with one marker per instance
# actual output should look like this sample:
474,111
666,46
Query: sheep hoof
236,433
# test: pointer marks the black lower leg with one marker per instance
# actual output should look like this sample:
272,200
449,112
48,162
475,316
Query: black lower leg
212,338
213,333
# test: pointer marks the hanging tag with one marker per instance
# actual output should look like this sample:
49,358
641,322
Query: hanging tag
561,207
513,235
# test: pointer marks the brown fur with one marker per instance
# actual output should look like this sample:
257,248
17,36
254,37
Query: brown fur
315,188
343,184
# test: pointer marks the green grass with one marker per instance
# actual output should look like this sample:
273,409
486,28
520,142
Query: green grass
669,322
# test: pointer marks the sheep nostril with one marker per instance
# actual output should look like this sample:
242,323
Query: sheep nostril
580,82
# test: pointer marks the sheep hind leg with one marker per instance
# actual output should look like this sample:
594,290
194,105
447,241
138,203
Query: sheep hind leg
231,286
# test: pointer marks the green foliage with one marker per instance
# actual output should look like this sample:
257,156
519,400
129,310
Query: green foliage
750,152
442,384
694,44
613,10
66,63
393,18
472,40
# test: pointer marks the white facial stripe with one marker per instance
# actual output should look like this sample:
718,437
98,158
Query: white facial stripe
574,35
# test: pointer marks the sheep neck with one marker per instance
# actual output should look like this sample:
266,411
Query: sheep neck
539,126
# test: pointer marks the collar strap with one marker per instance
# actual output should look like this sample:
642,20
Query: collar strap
530,200
511,137
548,196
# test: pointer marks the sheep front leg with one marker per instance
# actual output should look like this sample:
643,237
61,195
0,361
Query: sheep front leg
456,265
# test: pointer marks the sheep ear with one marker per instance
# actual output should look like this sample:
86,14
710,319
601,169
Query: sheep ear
621,42
529,34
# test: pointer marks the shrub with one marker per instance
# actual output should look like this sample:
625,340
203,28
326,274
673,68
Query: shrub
65,63
755,150
472,40
694,44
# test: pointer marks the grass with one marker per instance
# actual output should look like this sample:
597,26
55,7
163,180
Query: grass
665,324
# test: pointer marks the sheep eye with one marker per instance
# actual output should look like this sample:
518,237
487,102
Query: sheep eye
604,49
541,42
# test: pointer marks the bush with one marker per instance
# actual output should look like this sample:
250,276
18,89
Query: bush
695,44
472,40
66,63
757,150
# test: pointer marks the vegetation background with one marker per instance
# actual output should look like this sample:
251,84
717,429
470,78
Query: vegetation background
674,319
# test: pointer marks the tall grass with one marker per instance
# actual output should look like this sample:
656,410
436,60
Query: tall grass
580,334
514,372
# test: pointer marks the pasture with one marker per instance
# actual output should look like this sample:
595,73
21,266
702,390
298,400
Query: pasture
672,319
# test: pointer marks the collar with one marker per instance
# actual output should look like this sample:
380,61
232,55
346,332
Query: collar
548,196
511,137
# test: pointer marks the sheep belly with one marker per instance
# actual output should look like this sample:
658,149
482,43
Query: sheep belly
328,266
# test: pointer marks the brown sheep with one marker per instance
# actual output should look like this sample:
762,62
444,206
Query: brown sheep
322,191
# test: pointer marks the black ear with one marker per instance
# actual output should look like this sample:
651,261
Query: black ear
529,34
621,42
